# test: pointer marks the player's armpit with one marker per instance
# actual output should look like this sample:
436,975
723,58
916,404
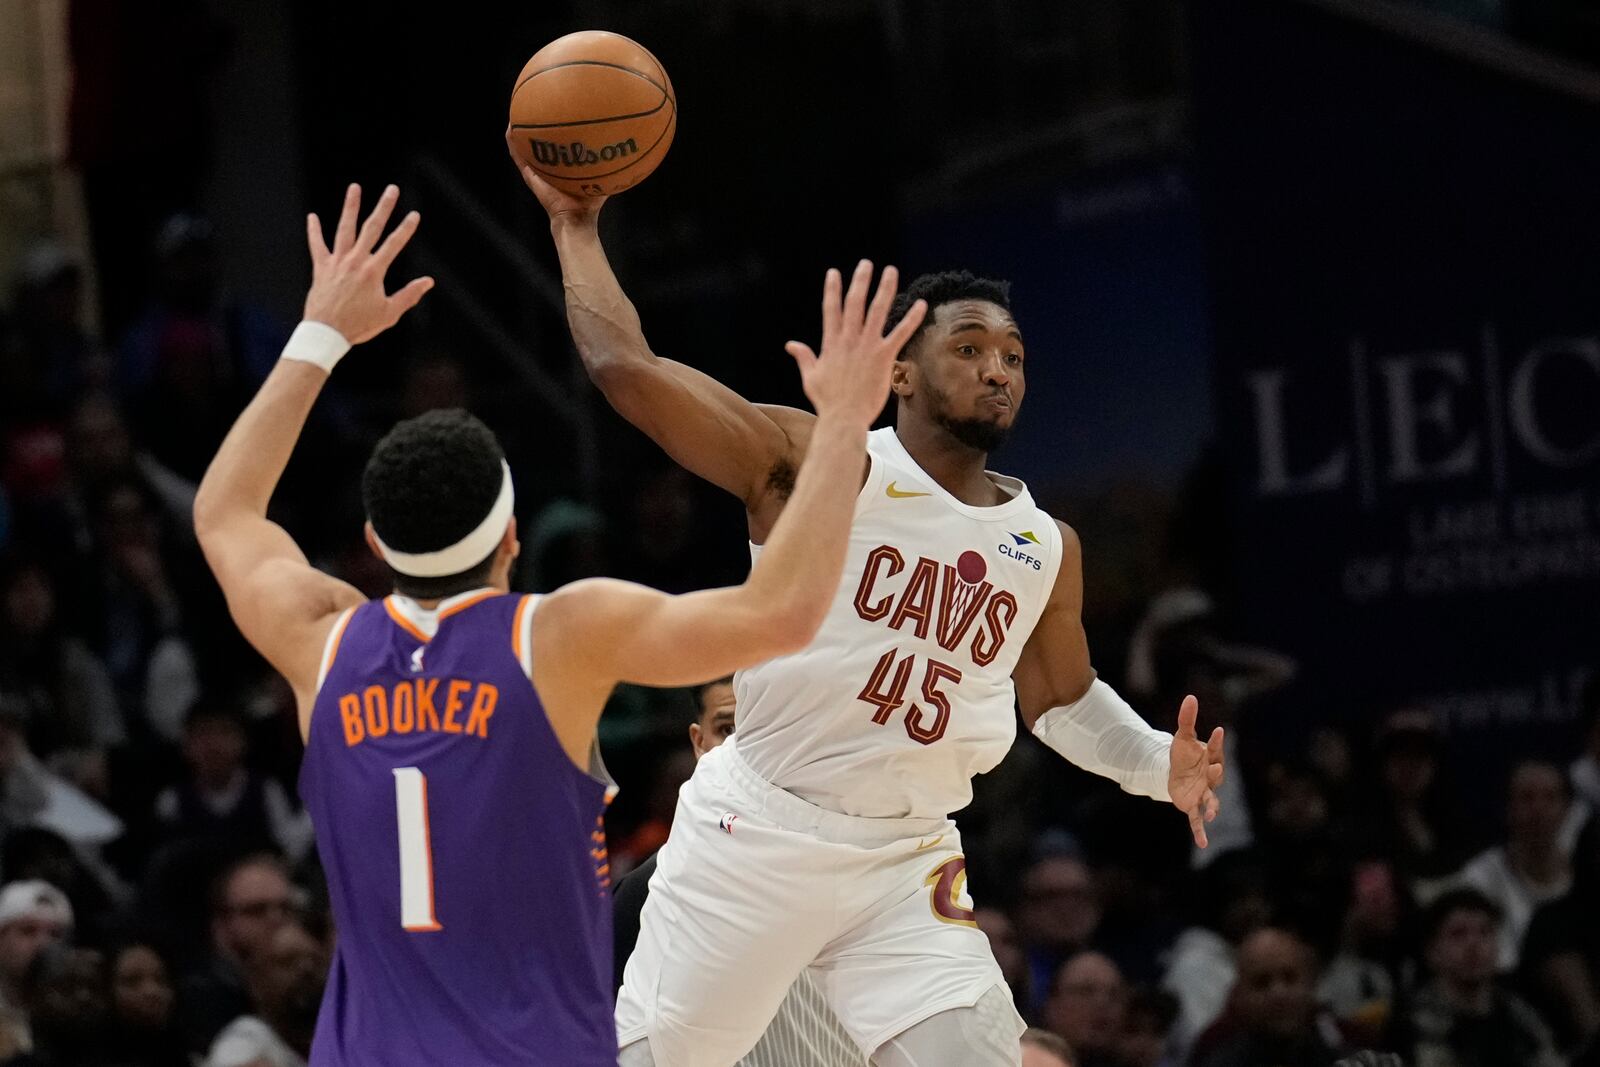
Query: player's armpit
1054,668
282,605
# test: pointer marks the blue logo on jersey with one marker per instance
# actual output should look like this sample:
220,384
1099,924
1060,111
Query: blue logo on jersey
725,824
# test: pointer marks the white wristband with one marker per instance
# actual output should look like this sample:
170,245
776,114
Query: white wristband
1102,734
318,343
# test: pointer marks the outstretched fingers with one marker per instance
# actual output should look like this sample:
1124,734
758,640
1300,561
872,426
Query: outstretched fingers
1187,713
344,236
373,227
882,302
901,334
855,298
409,295
315,241
832,315
803,356
397,240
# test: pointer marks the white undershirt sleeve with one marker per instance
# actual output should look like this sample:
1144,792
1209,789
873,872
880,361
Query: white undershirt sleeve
1102,734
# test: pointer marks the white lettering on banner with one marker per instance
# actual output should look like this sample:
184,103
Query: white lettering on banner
1428,403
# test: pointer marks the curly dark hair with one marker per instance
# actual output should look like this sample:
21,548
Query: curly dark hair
943,288
429,483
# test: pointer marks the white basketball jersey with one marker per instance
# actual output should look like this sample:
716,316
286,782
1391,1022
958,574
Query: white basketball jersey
906,693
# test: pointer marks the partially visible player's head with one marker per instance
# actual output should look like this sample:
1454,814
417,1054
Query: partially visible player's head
962,369
713,723
439,506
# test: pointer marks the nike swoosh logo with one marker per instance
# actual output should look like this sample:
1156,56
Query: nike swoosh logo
935,841
901,494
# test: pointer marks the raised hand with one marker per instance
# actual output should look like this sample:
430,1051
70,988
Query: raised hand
1196,771
557,204
850,379
347,282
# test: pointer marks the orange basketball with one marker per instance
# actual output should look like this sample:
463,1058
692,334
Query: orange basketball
593,113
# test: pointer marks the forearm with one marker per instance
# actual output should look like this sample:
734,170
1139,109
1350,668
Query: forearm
604,323
241,479
800,565
1102,734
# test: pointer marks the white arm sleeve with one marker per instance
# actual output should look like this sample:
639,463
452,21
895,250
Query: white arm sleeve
1102,734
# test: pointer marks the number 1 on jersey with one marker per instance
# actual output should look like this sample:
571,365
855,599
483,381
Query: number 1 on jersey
416,851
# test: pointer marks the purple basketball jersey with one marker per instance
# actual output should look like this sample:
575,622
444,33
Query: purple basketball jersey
464,851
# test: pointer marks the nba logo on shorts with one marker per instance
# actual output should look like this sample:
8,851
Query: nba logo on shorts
725,824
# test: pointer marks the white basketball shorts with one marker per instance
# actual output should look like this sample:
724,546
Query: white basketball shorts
755,885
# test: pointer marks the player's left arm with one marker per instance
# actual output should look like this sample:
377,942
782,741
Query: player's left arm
283,605
1068,708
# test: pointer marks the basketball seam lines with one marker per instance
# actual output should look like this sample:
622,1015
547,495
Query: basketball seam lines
588,122
671,124
591,63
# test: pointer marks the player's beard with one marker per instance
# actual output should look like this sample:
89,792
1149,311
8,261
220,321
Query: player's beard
984,435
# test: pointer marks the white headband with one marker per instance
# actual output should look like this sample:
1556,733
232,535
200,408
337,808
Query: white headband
465,553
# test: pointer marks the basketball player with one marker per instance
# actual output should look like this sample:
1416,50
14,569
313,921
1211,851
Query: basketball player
450,728
819,838
804,1032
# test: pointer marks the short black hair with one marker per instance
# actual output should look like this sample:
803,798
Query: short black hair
428,484
943,288
701,690
1464,898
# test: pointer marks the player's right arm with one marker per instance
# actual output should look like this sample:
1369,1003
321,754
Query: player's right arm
593,634
748,449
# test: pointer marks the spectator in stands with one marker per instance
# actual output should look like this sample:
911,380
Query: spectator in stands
192,350
48,326
100,449
1231,902
1561,956
144,1030
1057,917
36,853
23,788
1088,1006
1147,1033
1041,1048
1361,982
252,899
286,981
61,691
1461,1017
1585,770
220,798
66,991
1272,1016
1306,849
139,609
1409,819
1531,868
1003,942
33,917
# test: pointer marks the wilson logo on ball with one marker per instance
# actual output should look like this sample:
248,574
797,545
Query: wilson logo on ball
578,154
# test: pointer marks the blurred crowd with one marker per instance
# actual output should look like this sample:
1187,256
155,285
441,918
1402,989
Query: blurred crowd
160,901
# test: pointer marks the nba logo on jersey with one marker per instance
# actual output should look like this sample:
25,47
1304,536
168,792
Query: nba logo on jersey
416,659
725,824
